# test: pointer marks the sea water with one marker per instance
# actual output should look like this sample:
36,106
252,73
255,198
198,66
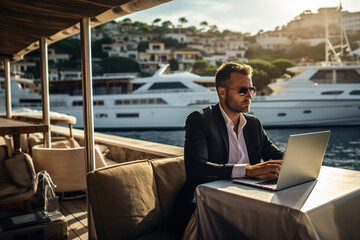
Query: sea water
343,150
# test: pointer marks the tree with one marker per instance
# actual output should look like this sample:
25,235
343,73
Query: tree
282,64
174,64
126,20
260,79
119,64
167,24
71,46
96,47
155,21
142,46
199,66
204,24
182,20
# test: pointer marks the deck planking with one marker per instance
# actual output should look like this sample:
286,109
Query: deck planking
75,212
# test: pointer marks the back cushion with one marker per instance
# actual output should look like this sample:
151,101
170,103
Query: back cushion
170,177
124,200
4,177
20,169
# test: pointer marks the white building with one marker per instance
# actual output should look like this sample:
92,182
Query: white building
57,57
351,21
273,40
310,41
69,74
121,49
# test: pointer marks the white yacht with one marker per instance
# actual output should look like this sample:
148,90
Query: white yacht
315,96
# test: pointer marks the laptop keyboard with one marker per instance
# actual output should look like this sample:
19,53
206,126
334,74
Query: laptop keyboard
268,182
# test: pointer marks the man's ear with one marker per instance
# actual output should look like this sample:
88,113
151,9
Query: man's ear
221,92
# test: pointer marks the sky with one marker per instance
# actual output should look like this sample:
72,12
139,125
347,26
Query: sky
237,15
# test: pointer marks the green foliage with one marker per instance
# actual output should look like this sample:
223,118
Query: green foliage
266,66
210,71
119,65
200,66
171,43
96,47
174,64
71,46
260,79
282,64
142,46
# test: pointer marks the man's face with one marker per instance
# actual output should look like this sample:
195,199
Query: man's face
233,101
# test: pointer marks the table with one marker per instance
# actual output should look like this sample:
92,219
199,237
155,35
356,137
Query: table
56,228
16,127
53,120
328,208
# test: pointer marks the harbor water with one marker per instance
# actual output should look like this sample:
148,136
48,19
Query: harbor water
343,150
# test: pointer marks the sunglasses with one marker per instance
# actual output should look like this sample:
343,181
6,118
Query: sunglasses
244,90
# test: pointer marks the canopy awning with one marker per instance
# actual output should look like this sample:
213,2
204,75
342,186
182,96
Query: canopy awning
24,22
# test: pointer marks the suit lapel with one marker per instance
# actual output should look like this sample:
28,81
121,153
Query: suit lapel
219,119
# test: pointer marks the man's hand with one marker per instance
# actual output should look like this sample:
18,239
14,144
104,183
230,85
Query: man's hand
264,171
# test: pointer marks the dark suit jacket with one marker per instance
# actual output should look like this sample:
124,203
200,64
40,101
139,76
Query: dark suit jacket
207,147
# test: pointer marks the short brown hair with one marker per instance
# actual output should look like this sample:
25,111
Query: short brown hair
224,71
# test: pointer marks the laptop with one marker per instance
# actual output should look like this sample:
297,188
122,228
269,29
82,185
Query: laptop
302,161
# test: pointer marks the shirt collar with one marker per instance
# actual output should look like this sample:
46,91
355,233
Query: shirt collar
228,121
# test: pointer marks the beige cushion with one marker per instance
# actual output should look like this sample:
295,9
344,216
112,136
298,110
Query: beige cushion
4,177
68,143
10,144
124,200
170,177
65,162
66,166
20,169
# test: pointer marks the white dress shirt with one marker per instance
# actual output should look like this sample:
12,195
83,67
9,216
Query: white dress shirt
238,154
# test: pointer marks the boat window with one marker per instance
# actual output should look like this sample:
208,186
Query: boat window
77,103
307,111
101,115
160,101
355,92
140,101
167,85
98,103
29,102
281,114
127,115
342,76
332,92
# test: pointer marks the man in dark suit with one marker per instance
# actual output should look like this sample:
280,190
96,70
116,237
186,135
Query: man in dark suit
223,142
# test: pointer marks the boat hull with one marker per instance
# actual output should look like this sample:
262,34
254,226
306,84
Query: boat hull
272,113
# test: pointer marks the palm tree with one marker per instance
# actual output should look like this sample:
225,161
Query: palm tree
204,24
156,20
182,20
166,24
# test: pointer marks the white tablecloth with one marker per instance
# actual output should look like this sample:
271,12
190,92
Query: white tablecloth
328,208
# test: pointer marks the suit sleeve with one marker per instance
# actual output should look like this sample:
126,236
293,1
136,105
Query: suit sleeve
198,167
269,150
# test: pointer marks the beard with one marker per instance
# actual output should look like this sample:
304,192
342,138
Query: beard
234,106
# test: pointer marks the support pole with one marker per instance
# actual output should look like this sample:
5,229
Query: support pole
88,109
8,88
45,89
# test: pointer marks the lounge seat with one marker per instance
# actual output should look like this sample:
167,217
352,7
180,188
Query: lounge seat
134,200
65,162
17,178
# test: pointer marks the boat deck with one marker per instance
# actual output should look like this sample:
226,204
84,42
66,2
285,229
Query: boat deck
75,212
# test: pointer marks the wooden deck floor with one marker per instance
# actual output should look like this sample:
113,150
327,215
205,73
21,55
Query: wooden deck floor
75,212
